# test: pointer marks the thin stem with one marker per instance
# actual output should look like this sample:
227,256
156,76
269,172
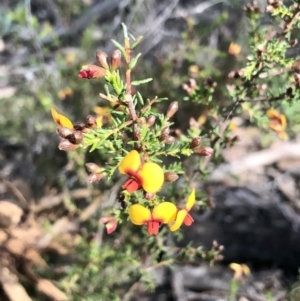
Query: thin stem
128,81
152,101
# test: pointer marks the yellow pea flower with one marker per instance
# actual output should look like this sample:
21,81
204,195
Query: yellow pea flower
61,120
183,215
239,270
277,123
163,213
148,176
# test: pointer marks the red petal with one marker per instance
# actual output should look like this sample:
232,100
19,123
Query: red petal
82,74
153,227
188,220
131,185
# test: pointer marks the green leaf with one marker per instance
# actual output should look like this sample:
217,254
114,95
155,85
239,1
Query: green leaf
140,98
94,146
142,81
136,42
125,33
134,61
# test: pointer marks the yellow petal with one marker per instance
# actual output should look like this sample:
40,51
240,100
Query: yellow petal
179,220
283,121
152,177
191,200
99,121
61,120
276,126
272,113
131,162
165,212
283,135
139,214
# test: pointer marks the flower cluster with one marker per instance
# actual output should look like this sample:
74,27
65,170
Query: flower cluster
150,177
147,176
143,176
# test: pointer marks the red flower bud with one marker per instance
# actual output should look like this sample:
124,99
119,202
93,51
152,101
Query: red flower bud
110,223
91,71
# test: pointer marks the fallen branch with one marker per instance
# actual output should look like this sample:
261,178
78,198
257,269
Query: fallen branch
253,161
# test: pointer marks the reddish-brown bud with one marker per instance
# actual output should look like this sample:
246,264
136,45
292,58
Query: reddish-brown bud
91,71
94,177
115,59
91,121
93,168
150,120
66,145
64,132
165,131
204,151
101,57
79,126
76,137
169,140
173,108
196,142
277,3
163,137
171,176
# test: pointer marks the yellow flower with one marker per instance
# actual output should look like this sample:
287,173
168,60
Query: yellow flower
183,215
234,49
148,176
61,120
163,213
239,270
103,115
65,93
277,123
